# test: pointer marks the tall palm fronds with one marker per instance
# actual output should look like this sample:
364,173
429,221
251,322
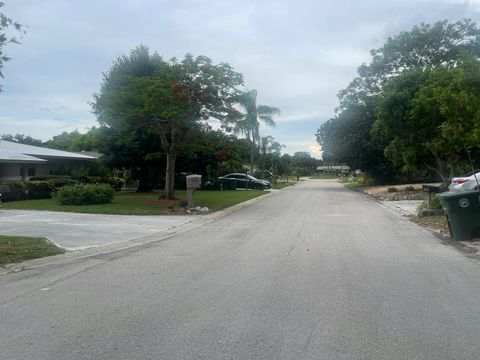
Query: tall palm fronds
249,124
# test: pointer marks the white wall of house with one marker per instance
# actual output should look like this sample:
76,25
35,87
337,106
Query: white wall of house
40,169
14,171
10,172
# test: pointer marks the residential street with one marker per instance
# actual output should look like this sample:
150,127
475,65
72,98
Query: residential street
312,272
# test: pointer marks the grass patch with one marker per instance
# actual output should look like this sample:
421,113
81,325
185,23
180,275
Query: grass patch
20,248
282,185
354,185
143,203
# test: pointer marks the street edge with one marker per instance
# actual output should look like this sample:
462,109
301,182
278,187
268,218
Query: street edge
463,246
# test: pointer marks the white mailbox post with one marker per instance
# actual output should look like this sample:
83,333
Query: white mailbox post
193,183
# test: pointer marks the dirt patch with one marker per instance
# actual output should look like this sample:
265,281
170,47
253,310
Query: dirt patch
161,202
172,206
438,223
401,192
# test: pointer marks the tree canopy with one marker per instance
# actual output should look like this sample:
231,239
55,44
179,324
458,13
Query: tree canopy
430,118
22,139
394,117
144,93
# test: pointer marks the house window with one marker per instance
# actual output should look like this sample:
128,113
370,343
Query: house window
31,172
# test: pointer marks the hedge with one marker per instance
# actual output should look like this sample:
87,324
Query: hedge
84,194
116,183
57,180
39,189
15,191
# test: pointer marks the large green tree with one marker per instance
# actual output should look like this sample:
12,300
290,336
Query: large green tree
424,46
431,118
166,98
347,137
252,115
75,141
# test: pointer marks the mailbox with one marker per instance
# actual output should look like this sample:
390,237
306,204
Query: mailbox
430,189
194,181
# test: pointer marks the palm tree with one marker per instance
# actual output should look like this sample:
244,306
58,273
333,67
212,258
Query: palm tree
249,124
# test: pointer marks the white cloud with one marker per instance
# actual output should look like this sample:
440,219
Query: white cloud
297,54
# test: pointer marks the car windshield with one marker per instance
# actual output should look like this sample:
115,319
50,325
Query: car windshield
250,177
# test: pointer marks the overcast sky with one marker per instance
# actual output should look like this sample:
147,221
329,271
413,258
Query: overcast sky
297,54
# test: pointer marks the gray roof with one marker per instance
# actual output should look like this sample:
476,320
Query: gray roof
15,152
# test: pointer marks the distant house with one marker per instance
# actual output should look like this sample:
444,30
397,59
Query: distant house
20,162
333,169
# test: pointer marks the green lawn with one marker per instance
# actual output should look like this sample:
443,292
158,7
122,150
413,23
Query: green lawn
143,203
353,185
282,184
19,248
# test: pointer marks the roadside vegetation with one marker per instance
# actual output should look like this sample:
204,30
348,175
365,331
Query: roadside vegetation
411,113
283,184
20,248
144,203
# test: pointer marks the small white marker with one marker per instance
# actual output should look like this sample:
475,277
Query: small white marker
44,289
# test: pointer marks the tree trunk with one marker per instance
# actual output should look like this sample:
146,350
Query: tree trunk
169,192
440,169
252,150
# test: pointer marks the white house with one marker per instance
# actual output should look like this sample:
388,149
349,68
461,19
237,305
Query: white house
20,162
333,169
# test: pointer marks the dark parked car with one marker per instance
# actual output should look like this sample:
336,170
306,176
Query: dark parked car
242,181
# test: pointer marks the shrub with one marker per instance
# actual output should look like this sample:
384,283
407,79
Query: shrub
39,189
85,194
13,191
365,180
435,203
409,188
392,189
57,180
116,183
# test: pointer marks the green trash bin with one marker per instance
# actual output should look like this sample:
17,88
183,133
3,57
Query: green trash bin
462,209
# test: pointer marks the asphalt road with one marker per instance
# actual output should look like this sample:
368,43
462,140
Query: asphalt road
312,272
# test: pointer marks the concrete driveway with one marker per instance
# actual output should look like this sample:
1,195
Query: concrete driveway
73,231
